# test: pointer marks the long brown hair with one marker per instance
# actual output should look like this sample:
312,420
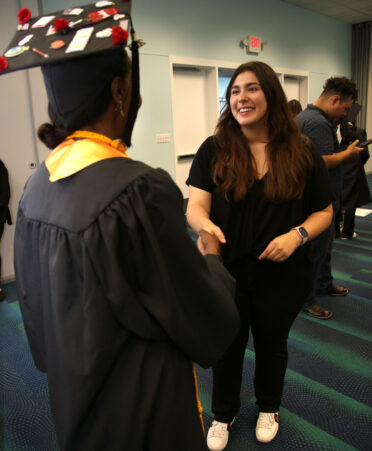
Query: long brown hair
288,156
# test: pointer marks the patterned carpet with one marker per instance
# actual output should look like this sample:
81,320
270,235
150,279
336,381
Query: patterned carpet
327,402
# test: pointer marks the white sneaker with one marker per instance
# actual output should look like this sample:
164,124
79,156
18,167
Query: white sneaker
267,426
344,238
218,435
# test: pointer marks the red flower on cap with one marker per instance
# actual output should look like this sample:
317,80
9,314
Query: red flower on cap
119,35
60,24
3,63
24,15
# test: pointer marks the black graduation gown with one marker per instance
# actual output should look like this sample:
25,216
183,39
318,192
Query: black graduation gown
355,190
4,196
117,302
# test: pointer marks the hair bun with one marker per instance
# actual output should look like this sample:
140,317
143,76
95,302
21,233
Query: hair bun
51,136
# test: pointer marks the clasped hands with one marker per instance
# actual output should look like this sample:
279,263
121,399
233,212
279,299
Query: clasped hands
278,250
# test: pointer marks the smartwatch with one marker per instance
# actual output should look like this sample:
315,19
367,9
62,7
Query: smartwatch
303,234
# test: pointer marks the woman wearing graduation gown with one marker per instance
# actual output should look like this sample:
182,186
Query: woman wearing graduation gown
117,301
259,187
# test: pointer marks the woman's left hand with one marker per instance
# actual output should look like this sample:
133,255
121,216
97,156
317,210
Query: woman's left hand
281,247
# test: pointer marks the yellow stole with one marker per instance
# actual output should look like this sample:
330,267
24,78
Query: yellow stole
79,150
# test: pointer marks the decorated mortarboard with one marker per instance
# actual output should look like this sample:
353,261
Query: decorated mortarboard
77,49
66,35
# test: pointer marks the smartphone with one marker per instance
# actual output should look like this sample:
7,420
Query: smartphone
365,143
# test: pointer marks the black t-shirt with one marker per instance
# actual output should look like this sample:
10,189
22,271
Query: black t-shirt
251,223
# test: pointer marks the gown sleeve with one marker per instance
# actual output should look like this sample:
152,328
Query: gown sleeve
154,277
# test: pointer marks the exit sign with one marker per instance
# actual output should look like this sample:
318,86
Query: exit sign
254,44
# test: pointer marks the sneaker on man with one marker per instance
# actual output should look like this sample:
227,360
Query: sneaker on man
267,426
218,435
2,295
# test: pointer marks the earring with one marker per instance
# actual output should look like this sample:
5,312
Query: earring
119,107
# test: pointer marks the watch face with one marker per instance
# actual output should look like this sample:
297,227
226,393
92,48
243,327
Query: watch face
303,232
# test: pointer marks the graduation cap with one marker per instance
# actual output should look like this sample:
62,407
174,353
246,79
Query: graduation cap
77,49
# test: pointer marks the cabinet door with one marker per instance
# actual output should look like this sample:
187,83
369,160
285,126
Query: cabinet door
18,139
195,114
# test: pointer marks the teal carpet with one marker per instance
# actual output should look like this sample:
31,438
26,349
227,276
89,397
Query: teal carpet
327,402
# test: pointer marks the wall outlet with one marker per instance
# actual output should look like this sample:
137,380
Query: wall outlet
162,138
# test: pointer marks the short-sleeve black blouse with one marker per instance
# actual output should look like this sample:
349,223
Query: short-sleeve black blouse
251,223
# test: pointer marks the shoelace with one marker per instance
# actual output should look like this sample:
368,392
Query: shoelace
218,429
266,420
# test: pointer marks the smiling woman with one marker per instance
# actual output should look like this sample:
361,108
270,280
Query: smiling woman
259,187
247,102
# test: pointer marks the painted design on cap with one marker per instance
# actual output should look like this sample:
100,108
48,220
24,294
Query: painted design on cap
97,16
103,3
15,51
106,33
25,39
57,44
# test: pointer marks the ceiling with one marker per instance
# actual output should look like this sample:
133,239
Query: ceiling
351,11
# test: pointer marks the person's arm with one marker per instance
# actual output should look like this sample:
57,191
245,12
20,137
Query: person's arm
198,211
337,158
322,138
283,246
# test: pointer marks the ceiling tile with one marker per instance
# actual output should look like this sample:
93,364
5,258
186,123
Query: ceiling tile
350,11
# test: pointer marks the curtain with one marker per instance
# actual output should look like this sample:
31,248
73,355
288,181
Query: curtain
360,51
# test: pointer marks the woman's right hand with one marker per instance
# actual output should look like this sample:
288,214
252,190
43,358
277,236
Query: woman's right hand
211,228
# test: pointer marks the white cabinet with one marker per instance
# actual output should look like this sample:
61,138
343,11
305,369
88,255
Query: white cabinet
198,88
195,111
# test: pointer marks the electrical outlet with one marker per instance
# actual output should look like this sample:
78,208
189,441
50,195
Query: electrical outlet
162,138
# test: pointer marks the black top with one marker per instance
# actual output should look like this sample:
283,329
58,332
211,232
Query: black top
117,302
250,224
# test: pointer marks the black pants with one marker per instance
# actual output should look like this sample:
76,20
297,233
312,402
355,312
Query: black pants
269,297
349,223
1,234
